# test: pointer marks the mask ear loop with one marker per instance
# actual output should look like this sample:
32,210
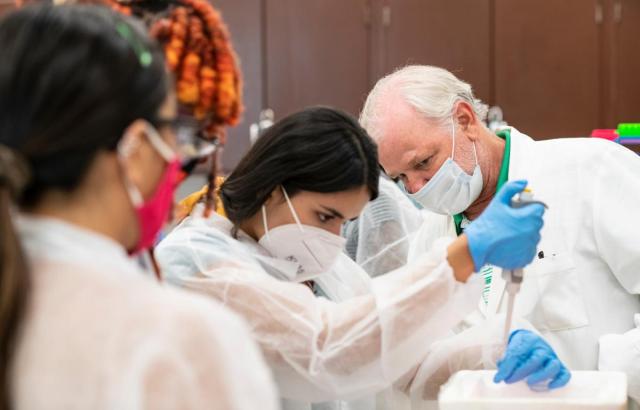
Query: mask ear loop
264,222
475,154
158,143
453,138
125,146
293,211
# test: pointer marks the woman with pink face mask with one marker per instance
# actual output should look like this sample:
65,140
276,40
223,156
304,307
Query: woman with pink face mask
88,168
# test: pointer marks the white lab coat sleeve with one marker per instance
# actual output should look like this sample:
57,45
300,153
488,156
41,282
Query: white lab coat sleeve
622,353
321,350
200,358
616,198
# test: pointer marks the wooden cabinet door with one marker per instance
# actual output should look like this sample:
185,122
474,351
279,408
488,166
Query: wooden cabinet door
624,62
453,34
6,6
547,70
317,52
244,19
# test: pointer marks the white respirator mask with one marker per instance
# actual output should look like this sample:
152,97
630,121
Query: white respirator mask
451,190
305,252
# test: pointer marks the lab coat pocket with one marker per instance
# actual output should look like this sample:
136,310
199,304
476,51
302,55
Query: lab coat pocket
561,304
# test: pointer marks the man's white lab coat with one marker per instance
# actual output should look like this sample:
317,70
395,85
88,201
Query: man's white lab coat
581,293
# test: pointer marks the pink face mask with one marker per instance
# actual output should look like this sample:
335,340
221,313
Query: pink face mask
153,213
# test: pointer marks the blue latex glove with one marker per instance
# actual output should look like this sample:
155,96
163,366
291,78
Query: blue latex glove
529,356
504,236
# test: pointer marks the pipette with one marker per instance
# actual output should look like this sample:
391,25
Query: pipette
514,277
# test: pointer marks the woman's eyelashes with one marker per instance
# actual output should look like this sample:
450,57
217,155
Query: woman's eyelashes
325,218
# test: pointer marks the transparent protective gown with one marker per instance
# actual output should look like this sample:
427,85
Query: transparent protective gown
100,334
319,349
379,239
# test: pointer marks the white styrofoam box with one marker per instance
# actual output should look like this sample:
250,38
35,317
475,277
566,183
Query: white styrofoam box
475,390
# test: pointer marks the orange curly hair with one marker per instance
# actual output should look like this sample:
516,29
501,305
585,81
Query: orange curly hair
198,51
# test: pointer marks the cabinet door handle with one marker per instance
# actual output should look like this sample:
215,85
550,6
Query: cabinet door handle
599,13
617,12
265,121
386,16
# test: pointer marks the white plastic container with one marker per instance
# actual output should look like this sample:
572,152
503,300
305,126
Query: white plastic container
475,390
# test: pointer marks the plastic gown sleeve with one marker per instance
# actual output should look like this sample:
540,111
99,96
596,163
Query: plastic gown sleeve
321,350
474,348
187,366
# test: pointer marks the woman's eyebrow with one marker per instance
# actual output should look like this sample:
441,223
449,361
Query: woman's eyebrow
332,211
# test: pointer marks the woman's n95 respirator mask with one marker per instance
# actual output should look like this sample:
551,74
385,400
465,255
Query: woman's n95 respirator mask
312,249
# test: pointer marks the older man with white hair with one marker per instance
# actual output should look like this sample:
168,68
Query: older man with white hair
581,292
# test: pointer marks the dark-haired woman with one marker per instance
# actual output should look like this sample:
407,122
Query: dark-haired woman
88,161
285,204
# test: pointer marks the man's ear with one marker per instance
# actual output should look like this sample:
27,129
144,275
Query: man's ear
467,120
464,115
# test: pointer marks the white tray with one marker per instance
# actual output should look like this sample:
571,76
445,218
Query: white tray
475,390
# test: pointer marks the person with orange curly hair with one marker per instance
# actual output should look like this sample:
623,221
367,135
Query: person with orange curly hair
199,53
209,85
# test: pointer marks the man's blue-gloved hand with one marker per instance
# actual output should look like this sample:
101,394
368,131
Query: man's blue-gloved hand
529,356
504,236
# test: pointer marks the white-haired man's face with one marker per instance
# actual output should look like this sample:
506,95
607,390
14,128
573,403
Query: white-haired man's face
412,148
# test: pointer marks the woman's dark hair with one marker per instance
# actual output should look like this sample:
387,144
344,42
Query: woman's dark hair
72,79
319,149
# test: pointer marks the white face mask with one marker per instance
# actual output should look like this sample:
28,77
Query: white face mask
310,251
451,190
